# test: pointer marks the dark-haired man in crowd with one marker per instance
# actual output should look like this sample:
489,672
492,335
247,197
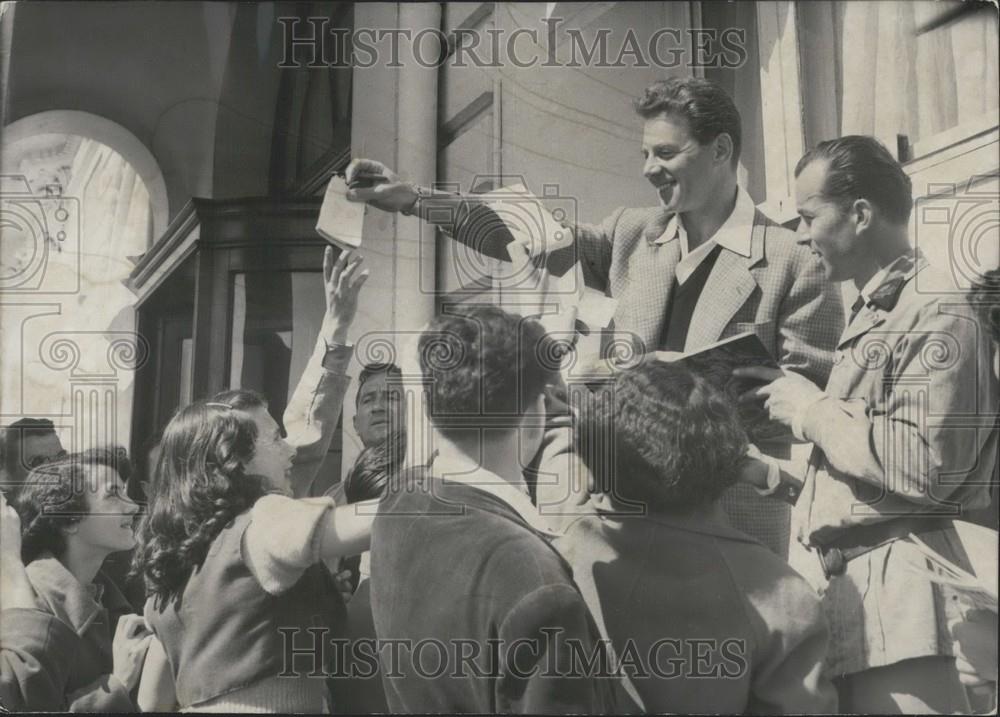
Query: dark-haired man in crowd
27,443
459,556
904,433
719,624
377,405
702,266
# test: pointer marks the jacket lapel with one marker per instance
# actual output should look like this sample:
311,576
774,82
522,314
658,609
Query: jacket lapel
866,320
645,307
727,288
884,298
64,597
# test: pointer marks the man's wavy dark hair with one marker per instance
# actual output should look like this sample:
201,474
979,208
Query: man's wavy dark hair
369,370
708,109
54,497
666,438
483,366
198,488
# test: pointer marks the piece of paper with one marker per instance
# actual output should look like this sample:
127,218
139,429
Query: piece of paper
595,309
974,590
341,222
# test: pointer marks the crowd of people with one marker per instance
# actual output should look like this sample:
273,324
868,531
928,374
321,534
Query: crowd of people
634,553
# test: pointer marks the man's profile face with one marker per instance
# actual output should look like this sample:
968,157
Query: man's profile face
378,410
825,225
681,169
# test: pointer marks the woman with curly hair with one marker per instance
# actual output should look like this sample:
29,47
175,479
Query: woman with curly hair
74,513
233,563
673,587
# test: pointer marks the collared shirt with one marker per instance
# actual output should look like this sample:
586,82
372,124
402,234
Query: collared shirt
513,496
876,281
879,292
734,234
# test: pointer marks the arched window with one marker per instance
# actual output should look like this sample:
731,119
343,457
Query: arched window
82,199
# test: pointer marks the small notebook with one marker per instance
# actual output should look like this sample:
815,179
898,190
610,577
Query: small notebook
341,222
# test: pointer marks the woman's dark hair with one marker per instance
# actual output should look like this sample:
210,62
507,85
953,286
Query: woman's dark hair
198,488
860,167
54,497
708,109
666,438
373,468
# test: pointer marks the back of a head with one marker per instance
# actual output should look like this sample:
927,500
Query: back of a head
708,109
675,440
199,485
373,469
483,366
860,167
16,460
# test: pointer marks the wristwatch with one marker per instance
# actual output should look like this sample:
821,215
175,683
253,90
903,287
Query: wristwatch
415,207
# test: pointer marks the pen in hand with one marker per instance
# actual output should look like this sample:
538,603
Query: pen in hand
363,180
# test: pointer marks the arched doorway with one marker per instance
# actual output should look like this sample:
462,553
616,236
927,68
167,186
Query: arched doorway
82,199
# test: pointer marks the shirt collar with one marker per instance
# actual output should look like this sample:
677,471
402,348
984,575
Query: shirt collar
735,233
515,498
883,289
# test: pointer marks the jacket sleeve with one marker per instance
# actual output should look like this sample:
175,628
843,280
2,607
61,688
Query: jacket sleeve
545,636
592,244
105,694
283,539
562,481
479,228
920,441
35,652
312,413
809,322
788,675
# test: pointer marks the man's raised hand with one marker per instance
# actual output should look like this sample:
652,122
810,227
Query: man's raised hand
372,182
342,284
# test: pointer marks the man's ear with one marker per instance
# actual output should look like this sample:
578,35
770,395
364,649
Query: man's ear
864,216
69,529
723,149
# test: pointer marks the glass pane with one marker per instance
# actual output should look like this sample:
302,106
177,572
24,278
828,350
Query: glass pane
276,319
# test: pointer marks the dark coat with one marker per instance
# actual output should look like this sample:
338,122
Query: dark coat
460,566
